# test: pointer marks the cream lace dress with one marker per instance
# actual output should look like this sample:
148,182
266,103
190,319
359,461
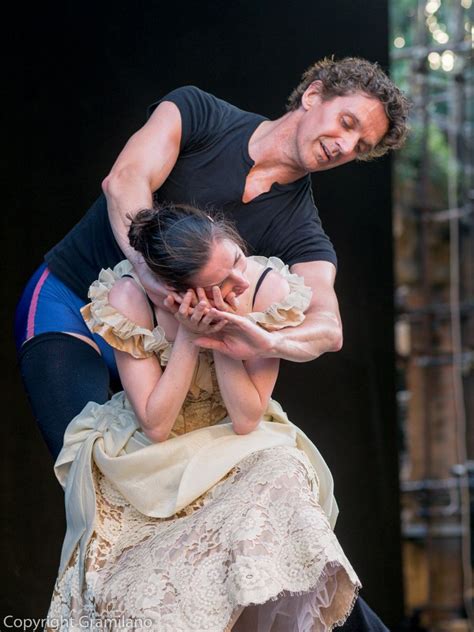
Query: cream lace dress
206,528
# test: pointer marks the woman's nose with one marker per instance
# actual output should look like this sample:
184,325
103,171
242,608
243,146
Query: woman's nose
238,278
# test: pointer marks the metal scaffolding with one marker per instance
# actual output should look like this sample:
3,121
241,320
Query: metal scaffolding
432,59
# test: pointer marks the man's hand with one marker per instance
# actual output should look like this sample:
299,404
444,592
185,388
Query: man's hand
240,339
155,289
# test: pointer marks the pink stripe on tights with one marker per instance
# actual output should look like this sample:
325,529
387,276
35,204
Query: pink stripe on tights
30,327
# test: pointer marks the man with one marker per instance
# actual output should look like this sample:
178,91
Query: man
197,149
341,111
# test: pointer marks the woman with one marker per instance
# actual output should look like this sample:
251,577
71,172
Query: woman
192,502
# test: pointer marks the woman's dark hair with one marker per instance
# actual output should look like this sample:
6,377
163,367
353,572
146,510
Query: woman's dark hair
350,75
175,240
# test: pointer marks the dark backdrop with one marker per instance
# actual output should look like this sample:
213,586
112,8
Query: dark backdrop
79,79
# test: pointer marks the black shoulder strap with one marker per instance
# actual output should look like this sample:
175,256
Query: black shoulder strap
259,283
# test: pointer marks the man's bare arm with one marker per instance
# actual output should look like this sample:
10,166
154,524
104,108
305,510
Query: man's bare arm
140,169
321,330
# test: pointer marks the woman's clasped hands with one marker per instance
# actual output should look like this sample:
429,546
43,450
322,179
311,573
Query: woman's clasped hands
199,313
217,326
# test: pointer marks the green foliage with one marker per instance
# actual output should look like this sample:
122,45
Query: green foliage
435,156
439,166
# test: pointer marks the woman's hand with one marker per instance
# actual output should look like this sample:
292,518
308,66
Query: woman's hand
197,315
228,304
163,296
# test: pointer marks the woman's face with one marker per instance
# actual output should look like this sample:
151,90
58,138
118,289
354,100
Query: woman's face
225,269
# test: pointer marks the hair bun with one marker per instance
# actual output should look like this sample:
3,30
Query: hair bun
141,226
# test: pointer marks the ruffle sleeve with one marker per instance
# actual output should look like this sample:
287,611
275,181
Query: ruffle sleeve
290,311
116,329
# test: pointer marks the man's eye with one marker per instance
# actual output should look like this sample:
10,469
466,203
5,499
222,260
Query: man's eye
346,124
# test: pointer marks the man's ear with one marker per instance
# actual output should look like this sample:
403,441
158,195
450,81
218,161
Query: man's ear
312,94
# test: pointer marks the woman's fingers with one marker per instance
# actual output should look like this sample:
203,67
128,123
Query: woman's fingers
218,300
230,302
201,294
218,326
202,318
231,299
199,311
170,304
194,298
186,303
213,321
176,297
207,320
216,314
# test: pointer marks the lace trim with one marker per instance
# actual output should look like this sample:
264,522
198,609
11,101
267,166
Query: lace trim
116,329
350,608
307,611
290,311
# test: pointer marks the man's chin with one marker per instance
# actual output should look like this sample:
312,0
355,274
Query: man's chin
325,166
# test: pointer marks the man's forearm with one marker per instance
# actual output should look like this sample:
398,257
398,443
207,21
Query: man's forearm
320,333
141,168
322,329
126,192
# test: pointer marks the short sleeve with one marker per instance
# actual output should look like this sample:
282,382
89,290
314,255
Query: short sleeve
115,328
290,311
201,113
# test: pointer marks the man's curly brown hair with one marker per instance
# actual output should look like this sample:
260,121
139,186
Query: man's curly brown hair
351,75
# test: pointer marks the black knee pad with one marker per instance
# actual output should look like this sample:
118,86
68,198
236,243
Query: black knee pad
61,373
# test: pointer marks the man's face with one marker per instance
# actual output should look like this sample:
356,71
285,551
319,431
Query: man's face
331,133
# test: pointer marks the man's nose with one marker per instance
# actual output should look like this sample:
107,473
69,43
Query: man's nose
348,143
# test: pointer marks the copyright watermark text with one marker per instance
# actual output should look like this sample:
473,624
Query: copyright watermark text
72,624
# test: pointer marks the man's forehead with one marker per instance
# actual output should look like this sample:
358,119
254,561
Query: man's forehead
358,101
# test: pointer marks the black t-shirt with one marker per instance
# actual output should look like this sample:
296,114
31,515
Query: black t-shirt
210,173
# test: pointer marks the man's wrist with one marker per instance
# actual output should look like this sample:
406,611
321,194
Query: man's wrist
274,343
137,260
